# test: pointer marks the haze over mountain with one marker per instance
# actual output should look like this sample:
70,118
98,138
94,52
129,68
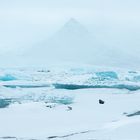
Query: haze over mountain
73,43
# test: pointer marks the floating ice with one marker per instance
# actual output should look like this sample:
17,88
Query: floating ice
7,77
61,100
26,86
107,75
136,78
117,86
5,103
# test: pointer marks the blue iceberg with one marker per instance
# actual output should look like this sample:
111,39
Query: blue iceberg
107,75
5,103
7,77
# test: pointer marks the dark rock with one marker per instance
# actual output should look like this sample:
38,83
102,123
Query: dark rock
101,101
69,108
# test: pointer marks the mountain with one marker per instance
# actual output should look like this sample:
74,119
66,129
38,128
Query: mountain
73,43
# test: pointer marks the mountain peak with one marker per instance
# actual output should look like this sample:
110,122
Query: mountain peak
73,26
72,21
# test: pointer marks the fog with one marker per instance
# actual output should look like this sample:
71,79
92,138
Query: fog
114,24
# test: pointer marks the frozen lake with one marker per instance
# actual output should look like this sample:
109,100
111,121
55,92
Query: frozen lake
64,104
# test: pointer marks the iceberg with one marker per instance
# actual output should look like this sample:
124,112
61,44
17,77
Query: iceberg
5,103
7,77
107,75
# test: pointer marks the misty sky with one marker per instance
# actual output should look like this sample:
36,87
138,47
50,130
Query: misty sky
25,22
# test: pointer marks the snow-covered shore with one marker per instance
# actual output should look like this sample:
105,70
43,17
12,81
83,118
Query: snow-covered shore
61,114
108,121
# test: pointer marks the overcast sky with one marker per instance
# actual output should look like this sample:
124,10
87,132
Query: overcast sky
24,22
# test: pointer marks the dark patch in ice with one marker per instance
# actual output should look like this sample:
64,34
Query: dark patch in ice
26,86
15,138
44,71
7,77
69,108
52,137
132,72
5,103
71,86
133,114
69,135
8,137
75,87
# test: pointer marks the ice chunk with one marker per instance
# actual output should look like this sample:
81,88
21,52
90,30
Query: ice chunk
7,77
115,86
136,78
61,100
5,103
107,75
